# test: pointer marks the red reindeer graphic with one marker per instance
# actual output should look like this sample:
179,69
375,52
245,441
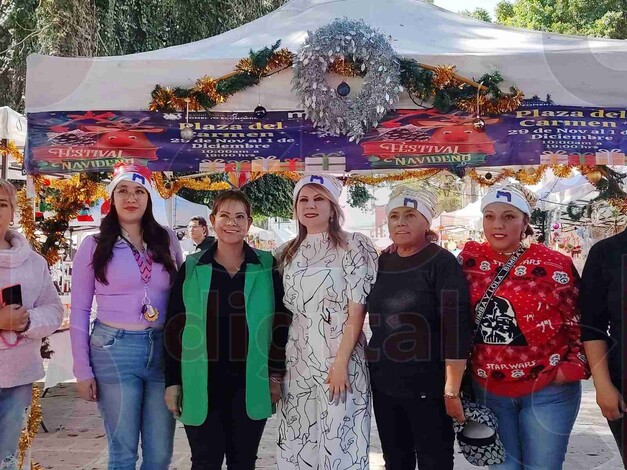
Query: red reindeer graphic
104,139
448,133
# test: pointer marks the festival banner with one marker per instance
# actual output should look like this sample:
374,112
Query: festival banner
537,133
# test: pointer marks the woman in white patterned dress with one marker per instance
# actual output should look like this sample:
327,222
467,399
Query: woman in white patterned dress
327,274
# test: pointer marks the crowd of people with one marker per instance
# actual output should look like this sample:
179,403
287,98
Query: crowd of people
231,334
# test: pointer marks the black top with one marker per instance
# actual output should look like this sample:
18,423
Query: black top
227,330
419,312
205,244
603,299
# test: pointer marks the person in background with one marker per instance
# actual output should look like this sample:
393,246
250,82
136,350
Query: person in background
527,360
199,234
225,375
419,312
602,300
22,326
129,267
324,415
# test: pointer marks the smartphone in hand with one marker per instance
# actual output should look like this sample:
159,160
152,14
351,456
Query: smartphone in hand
12,295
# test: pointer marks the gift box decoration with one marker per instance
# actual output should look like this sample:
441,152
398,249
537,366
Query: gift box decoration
554,157
267,164
610,157
212,166
238,165
335,162
293,164
581,158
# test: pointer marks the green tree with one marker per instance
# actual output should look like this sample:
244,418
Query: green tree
478,14
600,18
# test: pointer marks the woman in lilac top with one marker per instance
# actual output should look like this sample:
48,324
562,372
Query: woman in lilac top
128,267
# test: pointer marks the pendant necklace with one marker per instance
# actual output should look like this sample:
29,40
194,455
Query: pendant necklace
144,263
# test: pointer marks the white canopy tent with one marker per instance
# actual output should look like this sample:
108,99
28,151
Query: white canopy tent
573,70
12,126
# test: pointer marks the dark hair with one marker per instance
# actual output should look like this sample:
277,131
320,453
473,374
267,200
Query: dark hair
231,195
155,236
201,220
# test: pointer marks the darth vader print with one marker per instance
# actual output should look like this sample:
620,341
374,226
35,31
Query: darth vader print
499,326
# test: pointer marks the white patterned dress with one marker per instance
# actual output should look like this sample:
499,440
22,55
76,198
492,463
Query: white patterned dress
319,282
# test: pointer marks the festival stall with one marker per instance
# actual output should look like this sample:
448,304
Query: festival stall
368,92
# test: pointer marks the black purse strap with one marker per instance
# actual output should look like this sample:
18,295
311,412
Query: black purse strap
494,285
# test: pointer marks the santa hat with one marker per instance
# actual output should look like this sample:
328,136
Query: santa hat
330,183
423,201
130,172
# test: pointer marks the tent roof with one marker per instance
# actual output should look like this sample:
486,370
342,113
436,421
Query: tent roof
574,70
12,126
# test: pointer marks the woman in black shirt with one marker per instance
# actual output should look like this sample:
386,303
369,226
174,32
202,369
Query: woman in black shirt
421,332
225,337
602,298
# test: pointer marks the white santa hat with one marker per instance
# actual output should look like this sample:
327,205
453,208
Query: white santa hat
424,201
330,183
513,194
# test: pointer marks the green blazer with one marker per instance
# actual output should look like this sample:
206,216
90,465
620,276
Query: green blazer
260,308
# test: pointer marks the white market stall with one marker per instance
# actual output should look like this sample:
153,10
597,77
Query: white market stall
573,70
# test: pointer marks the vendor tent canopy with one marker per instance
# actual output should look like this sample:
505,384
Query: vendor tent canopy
575,71
12,126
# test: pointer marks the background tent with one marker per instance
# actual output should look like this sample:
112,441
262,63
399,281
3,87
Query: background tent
573,70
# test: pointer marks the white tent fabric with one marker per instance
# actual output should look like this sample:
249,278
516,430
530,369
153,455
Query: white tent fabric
468,217
563,191
12,126
573,70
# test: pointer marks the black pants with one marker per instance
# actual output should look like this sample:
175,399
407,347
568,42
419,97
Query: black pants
414,429
618,430
227,431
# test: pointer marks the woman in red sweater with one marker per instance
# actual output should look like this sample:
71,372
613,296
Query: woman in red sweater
527,359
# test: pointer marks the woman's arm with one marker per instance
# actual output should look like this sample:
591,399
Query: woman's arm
173,330
82,298
574,366
609,398
338,374
47,312
281,322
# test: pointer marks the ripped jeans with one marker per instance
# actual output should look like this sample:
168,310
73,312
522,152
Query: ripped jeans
14,403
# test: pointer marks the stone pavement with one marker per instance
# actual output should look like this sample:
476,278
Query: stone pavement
76,438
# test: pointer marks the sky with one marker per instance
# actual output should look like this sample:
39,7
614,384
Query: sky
457,5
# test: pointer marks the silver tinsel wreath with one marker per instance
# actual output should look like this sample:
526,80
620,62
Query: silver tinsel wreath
354,40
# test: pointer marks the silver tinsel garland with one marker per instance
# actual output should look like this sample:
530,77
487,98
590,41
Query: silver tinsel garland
354,40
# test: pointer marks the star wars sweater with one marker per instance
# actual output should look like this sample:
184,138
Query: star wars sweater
530,328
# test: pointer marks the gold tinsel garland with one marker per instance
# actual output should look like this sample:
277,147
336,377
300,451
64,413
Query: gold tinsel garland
443,76
28,433
531,176
27,219
374,180
502,105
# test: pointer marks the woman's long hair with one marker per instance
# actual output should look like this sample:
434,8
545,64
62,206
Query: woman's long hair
155,236
336,233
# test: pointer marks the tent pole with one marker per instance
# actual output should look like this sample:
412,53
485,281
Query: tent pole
5,159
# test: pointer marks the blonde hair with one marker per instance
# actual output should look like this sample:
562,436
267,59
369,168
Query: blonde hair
336,233
11,192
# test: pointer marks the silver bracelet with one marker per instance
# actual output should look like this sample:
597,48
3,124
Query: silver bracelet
274,379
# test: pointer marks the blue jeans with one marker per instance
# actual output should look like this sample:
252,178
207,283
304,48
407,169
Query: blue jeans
128,366
534,428
14,402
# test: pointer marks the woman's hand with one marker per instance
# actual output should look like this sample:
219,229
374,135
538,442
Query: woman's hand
13,318
338,382
173,399
87,389
610,401
275,389
455,409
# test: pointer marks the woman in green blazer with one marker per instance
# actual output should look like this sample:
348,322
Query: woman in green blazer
225,335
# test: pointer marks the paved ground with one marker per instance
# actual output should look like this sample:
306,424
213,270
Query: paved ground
76,439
